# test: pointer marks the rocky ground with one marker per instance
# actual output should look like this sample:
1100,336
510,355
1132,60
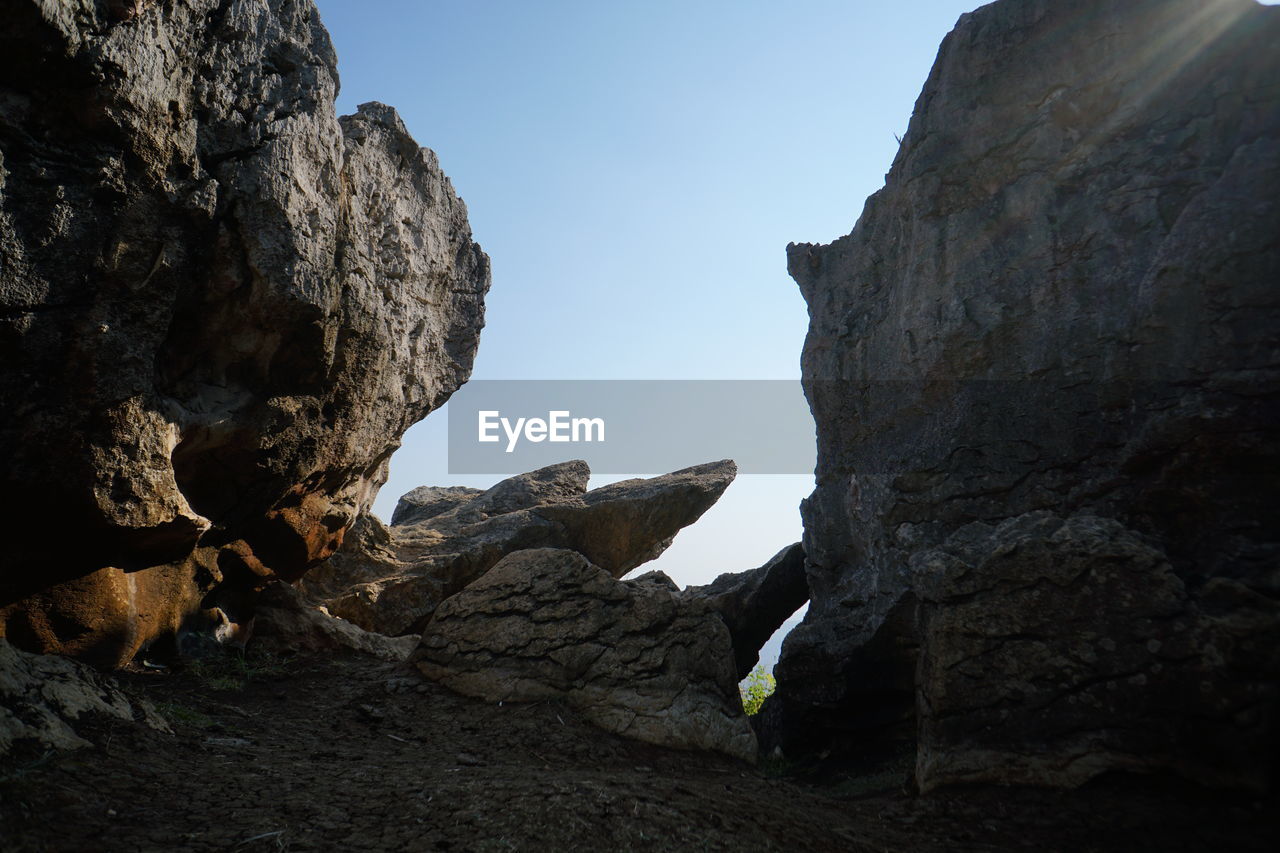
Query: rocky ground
350,753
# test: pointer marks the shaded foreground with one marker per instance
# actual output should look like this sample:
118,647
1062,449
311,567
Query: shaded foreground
355,754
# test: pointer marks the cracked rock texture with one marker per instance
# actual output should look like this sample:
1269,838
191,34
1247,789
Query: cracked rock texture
1045,538
635,657
391,580
220,308
1063,648
43,696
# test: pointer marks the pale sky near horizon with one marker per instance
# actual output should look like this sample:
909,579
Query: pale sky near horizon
635,172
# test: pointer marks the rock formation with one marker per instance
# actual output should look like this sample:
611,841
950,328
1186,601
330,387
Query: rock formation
286,624
43,698
392,580
635,657
429,501
1040,638
754,604
1044,539
222,307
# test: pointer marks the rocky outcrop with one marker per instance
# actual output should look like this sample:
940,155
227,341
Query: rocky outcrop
396,579
43,698
220,308
635,657
1063,301
754,604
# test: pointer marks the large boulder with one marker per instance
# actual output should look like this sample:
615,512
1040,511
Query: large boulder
635,657
222,307
392,581
1064,299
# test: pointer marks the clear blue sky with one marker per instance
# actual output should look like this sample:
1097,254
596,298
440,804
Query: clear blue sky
635,170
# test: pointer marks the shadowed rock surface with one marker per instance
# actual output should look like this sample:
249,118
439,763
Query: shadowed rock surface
634,657
754,604
1087,629
43,698
220,308
1063,300
285,623
393,580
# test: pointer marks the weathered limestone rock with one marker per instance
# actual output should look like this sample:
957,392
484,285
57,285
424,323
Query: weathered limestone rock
222,307
285,623
1064,299
617,527
634,657
754,604
42,697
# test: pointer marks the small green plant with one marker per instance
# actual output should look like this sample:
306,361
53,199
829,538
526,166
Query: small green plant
232,671
755,688
177,713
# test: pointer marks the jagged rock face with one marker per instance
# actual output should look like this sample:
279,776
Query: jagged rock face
1064,300
392,580
43,698
755,603
634,656
222,306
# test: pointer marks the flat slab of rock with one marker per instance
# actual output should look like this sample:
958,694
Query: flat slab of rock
634,656
393,579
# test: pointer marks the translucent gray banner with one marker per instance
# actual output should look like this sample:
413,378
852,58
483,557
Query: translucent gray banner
630,426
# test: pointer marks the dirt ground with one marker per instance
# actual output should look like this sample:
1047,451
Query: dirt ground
348,753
